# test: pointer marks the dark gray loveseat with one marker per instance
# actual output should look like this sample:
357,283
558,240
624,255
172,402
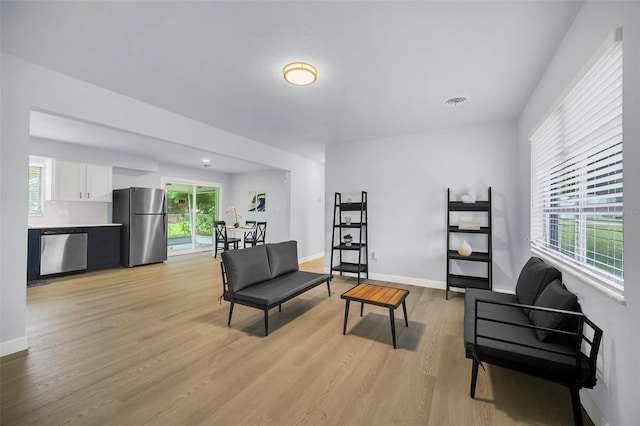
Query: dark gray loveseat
266,276
540,331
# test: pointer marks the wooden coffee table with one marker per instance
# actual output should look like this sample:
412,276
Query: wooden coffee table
387,297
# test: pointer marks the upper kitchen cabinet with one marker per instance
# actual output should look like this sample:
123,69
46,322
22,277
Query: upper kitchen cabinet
70,181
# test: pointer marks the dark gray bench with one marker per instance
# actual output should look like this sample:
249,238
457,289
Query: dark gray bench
540,331
266,276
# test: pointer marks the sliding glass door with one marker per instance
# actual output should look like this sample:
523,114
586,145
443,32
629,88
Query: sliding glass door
192,207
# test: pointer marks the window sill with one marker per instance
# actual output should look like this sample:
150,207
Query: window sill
586,278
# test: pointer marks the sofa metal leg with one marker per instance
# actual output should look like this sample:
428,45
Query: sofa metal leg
280,308
576,406
474,378
230,313
266,322
329,288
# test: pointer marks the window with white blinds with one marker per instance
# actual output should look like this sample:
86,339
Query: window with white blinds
576,176
36,187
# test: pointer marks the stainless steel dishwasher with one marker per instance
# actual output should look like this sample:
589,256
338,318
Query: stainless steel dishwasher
63,250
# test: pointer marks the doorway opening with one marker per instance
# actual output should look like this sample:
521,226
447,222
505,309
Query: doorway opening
192,207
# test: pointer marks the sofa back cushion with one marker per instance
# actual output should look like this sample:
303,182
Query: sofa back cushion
533,279
283,257
556,296
246,267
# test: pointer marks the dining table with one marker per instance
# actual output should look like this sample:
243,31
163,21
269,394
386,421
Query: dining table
233,232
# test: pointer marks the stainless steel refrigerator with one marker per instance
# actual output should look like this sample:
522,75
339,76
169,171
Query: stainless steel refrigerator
143,215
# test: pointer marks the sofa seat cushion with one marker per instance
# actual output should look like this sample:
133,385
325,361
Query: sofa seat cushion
280,288
533,360
283,258
246,267
533,279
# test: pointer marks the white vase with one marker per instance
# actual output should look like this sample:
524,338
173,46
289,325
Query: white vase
347,220
464,249
469,197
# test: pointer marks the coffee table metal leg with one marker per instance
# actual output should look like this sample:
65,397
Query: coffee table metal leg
393,327
404,309
346,315
361,308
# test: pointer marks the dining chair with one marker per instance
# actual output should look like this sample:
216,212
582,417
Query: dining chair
220,227
249,235
256,235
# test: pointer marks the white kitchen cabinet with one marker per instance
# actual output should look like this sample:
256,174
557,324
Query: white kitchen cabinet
99,186
70,181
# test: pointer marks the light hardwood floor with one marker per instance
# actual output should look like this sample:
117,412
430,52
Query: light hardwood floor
150,345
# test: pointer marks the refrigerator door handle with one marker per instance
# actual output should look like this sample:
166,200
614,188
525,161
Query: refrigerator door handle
166,216
165,220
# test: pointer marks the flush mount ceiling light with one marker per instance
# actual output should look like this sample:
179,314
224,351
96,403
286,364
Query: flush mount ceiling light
455,101
300,73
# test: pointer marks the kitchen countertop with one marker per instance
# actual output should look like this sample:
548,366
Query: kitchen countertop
74,225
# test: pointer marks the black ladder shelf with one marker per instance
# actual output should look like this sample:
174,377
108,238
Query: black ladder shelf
357,249
469,281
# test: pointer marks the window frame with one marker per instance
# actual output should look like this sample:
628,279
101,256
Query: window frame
41,163
614,288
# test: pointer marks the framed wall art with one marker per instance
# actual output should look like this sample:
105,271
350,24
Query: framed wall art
257,201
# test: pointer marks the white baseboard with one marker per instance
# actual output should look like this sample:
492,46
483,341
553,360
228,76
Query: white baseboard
312,257
12,346
418,282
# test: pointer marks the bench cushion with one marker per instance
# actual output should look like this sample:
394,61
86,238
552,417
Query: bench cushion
556,296
246,267
281,288
283,258
533,279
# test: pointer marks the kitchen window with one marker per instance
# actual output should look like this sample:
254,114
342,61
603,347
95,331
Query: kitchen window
36,185
576,177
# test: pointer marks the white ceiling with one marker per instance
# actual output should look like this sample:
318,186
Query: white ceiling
384,68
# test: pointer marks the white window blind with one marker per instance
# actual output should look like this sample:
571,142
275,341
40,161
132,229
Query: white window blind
36,187
576,176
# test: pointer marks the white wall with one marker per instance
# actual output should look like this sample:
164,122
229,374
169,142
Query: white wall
14,160
407,178
614,400
26,86
276,185
307,200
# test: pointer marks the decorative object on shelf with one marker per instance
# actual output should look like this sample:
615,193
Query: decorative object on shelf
347,220
464,249
469,225
347,240
236,222
257,201
469,197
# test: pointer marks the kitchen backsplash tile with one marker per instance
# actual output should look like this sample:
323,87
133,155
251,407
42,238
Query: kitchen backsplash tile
72,212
